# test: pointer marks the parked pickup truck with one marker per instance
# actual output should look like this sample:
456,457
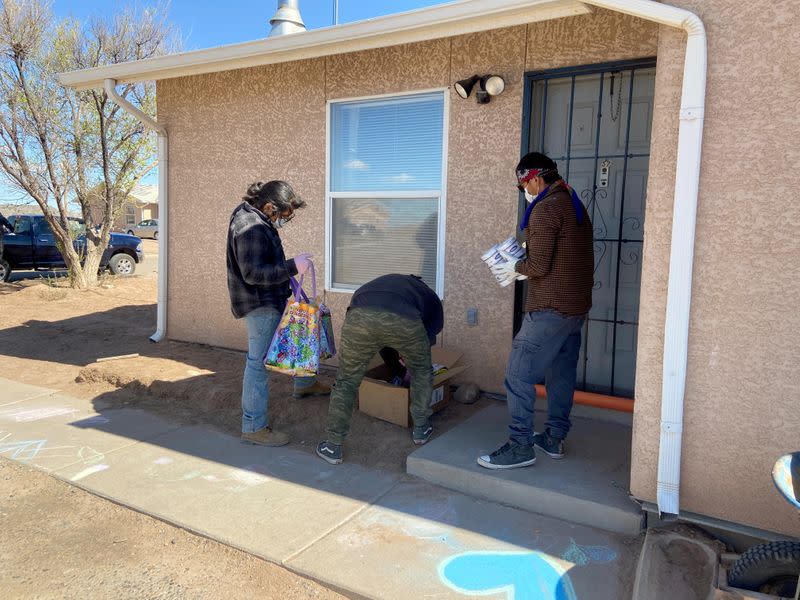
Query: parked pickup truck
32,246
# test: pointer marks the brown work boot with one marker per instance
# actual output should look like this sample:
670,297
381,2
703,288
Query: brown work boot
265,437
318,389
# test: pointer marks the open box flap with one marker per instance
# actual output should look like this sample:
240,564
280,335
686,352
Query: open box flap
445,357
449,374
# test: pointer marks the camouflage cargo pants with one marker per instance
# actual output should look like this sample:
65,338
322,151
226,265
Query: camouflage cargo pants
364,333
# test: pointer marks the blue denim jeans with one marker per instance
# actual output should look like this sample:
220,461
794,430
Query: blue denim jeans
261,326
545,350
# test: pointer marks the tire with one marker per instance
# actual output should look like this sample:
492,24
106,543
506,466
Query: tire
130,231
122,264
768,568
5,271
155,235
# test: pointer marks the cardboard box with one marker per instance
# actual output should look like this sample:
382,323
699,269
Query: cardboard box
390,403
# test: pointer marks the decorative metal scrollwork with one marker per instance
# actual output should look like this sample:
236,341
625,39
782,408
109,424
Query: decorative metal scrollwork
590,199
600,249
630,256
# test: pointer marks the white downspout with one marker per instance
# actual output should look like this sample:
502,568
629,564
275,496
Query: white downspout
684,218
163,203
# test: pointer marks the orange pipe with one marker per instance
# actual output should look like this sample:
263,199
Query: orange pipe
596,400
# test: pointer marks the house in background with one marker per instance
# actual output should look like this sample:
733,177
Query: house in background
401,174
140,205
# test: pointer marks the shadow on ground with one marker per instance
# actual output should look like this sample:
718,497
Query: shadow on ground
198,388
195,384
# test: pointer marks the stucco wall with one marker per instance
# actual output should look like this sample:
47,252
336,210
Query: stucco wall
229,129
226,131
232,128
742,392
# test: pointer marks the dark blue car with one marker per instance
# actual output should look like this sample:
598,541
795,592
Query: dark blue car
32,246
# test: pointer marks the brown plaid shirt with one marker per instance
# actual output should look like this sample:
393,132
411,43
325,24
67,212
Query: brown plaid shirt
560,262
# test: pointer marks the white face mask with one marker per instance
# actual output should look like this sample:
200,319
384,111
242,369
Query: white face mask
529,197
280,222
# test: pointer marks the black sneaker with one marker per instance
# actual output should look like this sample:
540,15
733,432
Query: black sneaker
330,452
510,455
553,447
422,434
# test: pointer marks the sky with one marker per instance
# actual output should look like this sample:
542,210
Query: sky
209,23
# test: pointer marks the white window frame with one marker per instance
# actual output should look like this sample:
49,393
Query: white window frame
441,196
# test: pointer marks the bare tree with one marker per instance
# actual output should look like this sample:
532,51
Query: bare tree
75,148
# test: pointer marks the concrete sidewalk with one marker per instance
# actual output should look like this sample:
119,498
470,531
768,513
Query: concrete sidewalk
369,533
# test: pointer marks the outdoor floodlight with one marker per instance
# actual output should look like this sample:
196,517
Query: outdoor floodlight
493,84
464,87
490,85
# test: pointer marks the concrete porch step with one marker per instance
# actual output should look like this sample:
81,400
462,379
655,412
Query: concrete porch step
589,486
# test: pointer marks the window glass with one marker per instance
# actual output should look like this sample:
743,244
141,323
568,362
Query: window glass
386,188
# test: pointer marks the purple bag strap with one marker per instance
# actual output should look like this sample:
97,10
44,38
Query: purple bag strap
297,286
297,290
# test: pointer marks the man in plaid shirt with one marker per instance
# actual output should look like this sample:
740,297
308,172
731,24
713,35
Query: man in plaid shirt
560,271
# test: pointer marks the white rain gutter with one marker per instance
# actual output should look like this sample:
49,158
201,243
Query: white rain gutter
684,218
110,86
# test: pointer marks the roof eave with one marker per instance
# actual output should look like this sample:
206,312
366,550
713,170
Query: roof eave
441,21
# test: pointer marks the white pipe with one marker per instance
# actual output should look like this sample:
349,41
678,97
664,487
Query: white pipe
163,203
684,218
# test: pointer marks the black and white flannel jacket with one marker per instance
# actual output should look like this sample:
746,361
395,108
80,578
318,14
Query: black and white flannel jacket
258,272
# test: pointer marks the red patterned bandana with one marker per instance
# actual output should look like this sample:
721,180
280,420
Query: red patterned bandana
524,176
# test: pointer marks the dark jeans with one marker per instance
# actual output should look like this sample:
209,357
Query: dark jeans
545,350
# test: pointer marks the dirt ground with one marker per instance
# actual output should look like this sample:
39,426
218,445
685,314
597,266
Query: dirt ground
52,337
57,541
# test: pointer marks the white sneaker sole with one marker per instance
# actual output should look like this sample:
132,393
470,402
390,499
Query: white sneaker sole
485,461
328,459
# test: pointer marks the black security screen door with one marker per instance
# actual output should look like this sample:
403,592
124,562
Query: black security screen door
595,122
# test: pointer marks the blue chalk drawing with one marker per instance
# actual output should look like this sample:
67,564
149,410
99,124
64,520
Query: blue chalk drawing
26,450
521,575
583,555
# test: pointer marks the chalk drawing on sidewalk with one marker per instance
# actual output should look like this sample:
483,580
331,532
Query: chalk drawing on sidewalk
583,555
235,480
24,450
521,575
89,455
27,415
89,471
433,522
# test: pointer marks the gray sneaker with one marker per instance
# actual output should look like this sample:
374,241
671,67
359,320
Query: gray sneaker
510,455
330,452
553,447
422,434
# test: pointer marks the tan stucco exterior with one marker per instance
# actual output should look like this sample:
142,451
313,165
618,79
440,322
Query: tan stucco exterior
742,393
231,128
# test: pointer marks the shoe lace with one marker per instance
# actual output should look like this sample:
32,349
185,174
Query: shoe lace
502,449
